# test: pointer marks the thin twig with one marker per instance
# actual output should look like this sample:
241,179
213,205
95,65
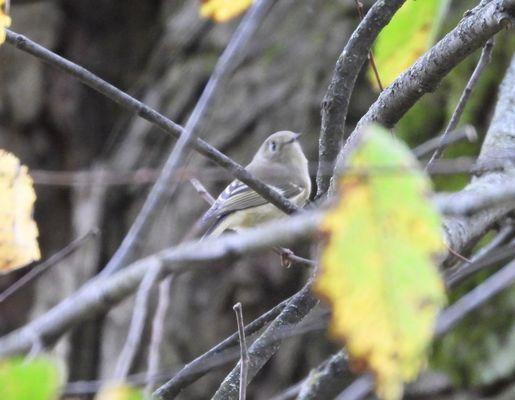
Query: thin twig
197,368
202,191
244,354
100,294
45,265
472,32
158,332
487,255
336,100
261,350
139,315
484,60
466,132
359,7
468,269
123,99
221,359
167,181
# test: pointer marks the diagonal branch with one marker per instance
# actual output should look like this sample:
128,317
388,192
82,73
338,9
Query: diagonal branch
167,182
478,25
484,60
123,99
267,344
101,294
337,98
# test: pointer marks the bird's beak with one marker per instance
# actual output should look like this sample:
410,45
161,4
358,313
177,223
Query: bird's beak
294,139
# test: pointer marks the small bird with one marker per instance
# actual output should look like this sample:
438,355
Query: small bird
281,164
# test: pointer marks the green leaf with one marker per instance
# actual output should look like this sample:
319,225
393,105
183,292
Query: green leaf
378,266
409,34
37,379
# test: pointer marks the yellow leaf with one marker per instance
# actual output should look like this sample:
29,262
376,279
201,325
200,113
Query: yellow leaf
223,10
18,231
378,266
409,34
118,392
5,21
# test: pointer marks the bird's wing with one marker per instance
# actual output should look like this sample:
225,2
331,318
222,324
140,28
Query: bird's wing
238,196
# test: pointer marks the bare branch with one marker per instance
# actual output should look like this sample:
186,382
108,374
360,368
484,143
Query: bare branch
487,255
100,294
158,330
267,344
139,315
244,354
337,98
197,368
45,265
484,60
167,181
467,132
467,203
478,25
202,191
123,99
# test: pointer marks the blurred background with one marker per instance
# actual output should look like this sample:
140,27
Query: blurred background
92,163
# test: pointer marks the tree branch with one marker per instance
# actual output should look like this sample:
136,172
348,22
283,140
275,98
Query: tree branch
268,342
478,25
123,99
337,98
167,181
484,60
100,294
203,363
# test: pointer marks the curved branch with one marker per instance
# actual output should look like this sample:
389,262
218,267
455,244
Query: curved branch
337,98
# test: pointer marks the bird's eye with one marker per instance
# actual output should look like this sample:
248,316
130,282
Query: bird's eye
273,145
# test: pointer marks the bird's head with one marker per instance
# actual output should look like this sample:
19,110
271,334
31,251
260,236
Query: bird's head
282,147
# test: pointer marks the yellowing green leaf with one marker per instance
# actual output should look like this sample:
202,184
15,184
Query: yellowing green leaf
18,231
409,34
5,21
118,392
377,267
223,10
29,380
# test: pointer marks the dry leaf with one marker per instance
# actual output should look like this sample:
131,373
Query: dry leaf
18,231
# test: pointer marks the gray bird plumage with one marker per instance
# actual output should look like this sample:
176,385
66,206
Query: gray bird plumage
281,164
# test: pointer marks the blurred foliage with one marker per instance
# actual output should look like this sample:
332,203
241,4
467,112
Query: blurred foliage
387,324
223,10
21,379
480,350
410,34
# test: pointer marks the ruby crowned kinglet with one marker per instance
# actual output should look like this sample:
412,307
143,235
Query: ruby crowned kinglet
281,164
